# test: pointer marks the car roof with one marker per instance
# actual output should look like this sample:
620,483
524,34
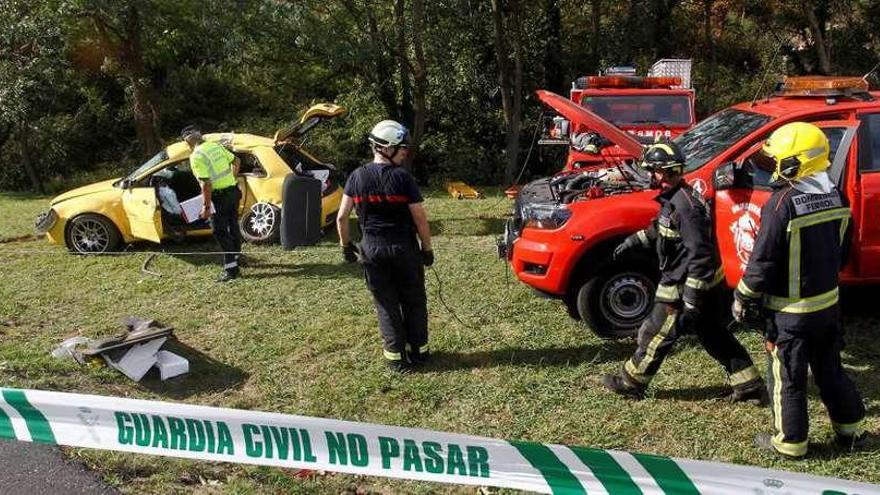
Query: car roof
239,141
789,106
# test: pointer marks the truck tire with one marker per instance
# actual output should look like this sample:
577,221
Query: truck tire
615,300
261,224
91,234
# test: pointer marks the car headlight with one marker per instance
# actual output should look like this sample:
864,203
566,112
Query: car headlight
45,221
546,217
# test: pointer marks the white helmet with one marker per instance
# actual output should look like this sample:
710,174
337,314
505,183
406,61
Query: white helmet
389,133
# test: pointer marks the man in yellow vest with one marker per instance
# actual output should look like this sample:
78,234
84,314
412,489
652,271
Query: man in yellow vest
216,168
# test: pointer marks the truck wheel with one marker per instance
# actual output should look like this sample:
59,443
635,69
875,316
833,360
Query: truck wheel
261,224
91,234
614,301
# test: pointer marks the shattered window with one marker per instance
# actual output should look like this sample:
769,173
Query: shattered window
716,134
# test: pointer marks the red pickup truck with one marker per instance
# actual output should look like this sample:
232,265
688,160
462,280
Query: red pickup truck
565,227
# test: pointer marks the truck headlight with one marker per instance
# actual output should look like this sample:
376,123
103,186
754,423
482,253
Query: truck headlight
546,217
45,221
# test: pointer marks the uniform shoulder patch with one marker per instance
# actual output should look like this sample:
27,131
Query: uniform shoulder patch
812,203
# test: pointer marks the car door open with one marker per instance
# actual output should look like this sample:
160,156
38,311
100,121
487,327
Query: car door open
142,210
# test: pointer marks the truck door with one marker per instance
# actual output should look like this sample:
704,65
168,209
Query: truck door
142,209
866,206
738,206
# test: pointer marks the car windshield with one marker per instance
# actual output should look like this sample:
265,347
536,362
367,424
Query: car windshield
716,134
641,110
152,162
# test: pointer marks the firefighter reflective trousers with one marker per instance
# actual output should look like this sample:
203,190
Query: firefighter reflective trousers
811,340
396,278
665,325
225,225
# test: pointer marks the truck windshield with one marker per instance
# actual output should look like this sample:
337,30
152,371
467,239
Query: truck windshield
716,134
646,111
147,165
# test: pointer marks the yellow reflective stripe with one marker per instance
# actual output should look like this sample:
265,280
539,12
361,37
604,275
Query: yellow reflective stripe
794,265
667,232
745,376
630,368
643,238
392,356
651,353
849,429
776,368
844,223
794,251
806,305
820,217
695,283
668,292
746,290
798,449
420,350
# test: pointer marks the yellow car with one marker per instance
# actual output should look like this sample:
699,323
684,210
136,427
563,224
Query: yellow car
150,203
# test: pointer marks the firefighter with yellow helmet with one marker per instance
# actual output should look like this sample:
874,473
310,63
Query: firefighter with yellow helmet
790,291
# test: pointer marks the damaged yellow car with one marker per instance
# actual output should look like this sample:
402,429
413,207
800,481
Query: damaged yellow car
150,203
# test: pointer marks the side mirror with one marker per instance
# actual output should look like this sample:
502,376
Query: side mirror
724,176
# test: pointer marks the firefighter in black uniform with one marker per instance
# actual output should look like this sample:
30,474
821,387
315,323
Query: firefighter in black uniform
395,245
689,297
789,291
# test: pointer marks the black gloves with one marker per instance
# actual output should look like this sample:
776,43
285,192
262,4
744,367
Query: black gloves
627,244
350,252
427,257
690,315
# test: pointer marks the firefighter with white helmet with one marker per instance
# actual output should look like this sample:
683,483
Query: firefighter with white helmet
395,245
690,294
790,291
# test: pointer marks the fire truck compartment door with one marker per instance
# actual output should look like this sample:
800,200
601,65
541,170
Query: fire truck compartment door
738,209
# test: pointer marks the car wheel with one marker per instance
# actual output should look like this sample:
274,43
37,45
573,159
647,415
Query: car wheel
92,234
615,300
261,224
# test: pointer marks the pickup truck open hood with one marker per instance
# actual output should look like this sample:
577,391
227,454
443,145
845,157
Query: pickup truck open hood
312,117
580,116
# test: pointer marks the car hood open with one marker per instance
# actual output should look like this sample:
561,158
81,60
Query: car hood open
579,115
97,187
312,117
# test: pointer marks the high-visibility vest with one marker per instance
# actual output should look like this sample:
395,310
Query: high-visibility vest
211,161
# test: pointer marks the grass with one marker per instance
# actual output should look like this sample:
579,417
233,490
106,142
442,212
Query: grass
298,335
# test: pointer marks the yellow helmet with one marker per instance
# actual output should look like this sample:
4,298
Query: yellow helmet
799,150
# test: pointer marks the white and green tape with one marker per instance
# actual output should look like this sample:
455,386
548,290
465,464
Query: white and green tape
269,439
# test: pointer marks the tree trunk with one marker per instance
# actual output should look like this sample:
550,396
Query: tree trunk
24,148
817,30
403,65
383,69
510,80
420,79
596,18
554,78
710,46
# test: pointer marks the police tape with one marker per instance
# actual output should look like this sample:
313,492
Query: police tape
299,442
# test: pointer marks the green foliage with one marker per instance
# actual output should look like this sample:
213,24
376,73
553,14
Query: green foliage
83,83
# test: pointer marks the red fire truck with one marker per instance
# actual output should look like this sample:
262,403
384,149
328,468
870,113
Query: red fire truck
659,105
564,227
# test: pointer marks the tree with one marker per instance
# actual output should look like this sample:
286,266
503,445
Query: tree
31,70
507,29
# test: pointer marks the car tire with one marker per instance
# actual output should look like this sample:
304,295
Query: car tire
91,234
261,224
615,300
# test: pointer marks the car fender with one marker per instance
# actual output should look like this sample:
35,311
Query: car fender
598,224
107,204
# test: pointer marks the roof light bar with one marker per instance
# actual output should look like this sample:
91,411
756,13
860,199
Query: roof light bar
622,82
822,86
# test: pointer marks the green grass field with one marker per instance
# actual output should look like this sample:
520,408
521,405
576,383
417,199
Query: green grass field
298,335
